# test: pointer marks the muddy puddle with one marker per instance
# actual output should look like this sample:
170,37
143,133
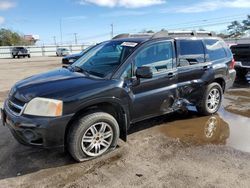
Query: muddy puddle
224,128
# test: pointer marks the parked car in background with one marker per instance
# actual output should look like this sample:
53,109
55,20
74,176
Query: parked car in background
70,59
88,106
241,53
20,52
62,51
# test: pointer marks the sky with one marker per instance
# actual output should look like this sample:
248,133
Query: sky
90,20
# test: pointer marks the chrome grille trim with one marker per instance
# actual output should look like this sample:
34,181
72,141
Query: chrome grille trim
18,107
15,105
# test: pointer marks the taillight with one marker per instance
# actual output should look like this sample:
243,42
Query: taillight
232,64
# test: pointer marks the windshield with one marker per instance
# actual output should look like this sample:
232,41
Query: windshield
85,50
104,58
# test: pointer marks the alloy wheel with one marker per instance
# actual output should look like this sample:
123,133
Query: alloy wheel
97,139
213,100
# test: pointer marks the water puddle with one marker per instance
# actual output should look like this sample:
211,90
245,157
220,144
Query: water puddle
223,128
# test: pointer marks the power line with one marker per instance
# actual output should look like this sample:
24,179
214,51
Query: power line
75,34
112,30
54,37
61,31
183,25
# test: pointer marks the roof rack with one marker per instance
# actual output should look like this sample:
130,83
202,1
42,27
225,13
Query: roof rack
182,33
127,35
165,33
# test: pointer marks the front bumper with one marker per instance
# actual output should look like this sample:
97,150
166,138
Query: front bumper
37,131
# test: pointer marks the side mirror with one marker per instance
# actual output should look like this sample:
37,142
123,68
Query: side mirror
65,66
144,72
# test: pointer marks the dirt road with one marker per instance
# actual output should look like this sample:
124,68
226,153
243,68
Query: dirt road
175,150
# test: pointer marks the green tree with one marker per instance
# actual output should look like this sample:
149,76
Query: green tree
235,29
10,38
246,24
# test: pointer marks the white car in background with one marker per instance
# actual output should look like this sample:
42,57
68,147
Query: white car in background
62,52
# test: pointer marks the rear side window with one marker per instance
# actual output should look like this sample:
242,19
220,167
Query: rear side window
191,52
215,49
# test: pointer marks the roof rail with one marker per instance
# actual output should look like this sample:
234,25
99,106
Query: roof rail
127,35
124,35
182,33
165,33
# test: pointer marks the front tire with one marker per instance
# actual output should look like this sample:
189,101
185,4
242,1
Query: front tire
92,136
211,100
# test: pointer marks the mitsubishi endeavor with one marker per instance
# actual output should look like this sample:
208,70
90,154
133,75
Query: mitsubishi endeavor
87,106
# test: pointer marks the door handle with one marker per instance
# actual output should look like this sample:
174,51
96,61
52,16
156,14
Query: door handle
171,75
206,67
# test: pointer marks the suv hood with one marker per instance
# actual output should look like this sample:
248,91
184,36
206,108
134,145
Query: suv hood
57,84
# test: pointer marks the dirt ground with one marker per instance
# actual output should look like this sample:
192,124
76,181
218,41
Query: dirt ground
175,150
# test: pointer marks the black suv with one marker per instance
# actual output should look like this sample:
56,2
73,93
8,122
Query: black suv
20,52
89,105
241,54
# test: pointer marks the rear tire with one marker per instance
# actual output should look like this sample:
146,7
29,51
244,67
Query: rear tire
28,56
92,136
211,100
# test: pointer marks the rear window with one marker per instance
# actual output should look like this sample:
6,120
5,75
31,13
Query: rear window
215,49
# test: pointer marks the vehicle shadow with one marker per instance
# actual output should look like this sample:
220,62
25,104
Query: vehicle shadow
16,159
19,160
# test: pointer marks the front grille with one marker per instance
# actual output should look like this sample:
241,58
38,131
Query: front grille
16,106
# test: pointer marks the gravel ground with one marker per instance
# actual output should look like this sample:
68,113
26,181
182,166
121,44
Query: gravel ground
175,150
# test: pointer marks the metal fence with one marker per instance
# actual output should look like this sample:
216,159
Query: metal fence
238,40
50,50
36,51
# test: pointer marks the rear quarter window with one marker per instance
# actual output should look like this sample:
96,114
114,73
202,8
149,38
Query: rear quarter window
191,52
215,49
191,47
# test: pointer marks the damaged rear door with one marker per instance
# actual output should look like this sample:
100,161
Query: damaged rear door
192,69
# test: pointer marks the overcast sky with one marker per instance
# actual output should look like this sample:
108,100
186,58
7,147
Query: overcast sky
91,19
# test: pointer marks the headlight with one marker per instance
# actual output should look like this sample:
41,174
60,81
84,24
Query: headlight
44,107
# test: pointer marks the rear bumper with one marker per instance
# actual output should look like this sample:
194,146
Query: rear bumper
230,80
22,54
242,65
37,131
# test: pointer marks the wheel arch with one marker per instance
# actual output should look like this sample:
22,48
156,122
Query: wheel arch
222,82
118,111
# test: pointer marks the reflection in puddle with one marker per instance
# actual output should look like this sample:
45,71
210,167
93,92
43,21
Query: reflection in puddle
198,130
223,128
